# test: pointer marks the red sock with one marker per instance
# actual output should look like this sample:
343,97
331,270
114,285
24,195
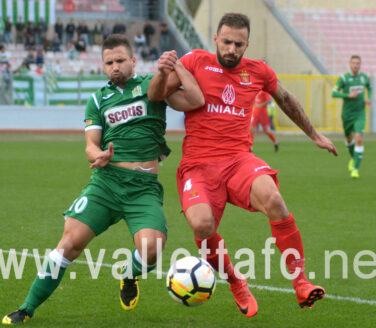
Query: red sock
272,137
212,243
288,236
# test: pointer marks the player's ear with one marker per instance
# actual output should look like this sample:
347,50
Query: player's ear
215,38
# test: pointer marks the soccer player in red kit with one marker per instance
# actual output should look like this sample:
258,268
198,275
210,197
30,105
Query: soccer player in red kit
260,116
217,167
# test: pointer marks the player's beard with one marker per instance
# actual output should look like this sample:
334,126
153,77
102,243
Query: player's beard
227,64
121,79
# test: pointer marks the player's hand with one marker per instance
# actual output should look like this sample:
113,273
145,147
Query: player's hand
105,156
178,64
323,142
167,61
367,101
353,94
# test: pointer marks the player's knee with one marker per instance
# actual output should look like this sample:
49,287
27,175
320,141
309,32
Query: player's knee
151,256
275,206
203,226
201,220
152,252
358,140
71,248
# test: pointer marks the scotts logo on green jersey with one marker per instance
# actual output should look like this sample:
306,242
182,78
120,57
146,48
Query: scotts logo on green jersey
357,88
123,114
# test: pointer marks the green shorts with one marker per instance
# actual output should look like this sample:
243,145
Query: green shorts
354,123
115,193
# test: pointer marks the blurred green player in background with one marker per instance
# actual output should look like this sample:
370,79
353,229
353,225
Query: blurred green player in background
272,111
351,87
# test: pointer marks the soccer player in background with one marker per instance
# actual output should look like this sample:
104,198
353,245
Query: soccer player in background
124,141
272,111
217,167
260,116
351,87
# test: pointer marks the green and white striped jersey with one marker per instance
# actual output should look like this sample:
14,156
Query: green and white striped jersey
30,10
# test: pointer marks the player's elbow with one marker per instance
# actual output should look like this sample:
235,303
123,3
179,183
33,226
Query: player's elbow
154,96
89,154
336,94
201,100
198,101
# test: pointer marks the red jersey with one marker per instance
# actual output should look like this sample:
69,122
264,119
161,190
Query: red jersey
221,127
261,113
261,98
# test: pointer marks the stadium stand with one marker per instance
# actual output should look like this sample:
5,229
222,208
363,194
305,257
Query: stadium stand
99,6
335,35
63,73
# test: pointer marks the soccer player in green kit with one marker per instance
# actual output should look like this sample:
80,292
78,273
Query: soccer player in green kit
351,87
124,141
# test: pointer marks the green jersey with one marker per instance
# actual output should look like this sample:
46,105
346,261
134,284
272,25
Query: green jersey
349,83
135,125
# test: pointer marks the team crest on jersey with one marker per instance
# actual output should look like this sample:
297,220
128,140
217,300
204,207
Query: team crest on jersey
244,78
362,79
123,114
193,195
137,91
228,94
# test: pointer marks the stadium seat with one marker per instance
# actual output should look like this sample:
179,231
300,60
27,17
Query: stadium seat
94,6
347,31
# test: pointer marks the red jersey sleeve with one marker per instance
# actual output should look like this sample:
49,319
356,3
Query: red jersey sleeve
270,80
188,60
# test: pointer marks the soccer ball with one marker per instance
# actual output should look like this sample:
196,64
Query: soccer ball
191,281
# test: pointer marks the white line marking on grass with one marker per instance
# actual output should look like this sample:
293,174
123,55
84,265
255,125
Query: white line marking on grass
292,291
259,287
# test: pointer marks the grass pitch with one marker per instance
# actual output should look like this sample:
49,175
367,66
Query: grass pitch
41,175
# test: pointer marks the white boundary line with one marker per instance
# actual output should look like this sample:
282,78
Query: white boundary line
259,287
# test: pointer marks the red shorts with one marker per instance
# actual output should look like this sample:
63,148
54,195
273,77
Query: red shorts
260,115
221,181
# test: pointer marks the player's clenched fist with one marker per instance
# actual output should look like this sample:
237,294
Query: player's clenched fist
167,61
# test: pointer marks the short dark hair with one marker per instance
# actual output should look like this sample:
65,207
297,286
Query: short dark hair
355,57
117,40
234,20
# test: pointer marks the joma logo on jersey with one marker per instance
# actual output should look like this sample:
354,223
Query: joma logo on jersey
123,114
262,168
214,69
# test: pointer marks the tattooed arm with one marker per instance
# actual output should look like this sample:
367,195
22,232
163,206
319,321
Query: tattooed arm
291,107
